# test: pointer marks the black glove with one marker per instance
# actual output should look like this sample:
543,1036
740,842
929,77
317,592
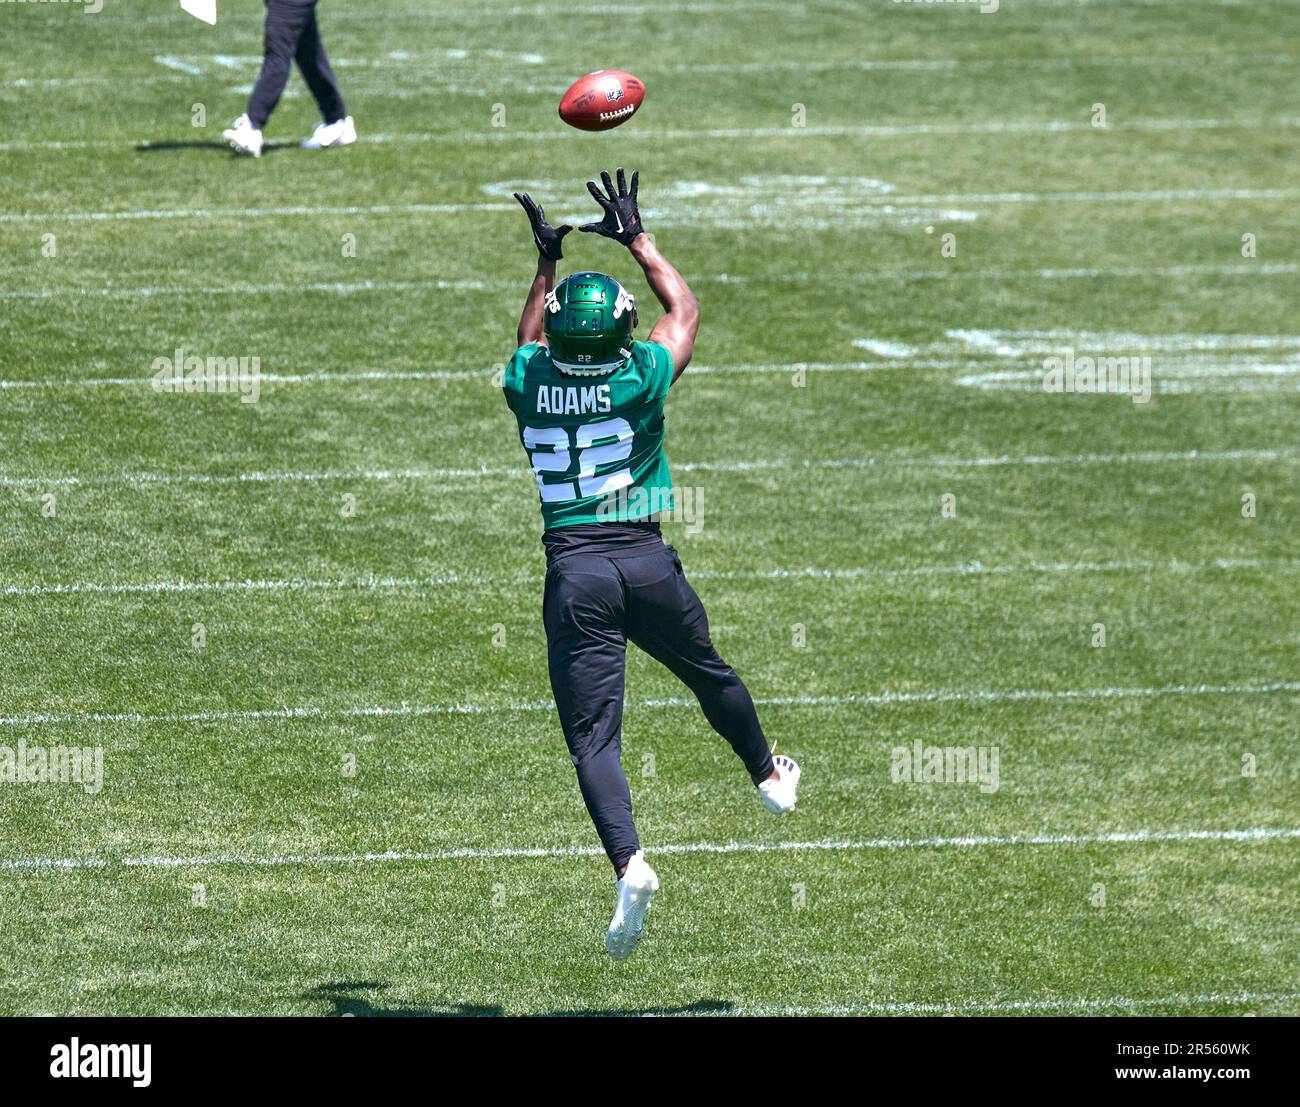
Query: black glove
548,238
622,221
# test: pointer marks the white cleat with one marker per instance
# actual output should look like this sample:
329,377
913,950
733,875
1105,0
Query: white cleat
779,795
244,137
342,133
636,888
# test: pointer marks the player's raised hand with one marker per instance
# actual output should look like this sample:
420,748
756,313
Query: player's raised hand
548,238
622,220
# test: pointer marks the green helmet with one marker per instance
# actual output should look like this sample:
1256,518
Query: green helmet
589,321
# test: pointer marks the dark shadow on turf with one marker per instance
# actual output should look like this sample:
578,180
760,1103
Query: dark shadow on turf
148,147
346,998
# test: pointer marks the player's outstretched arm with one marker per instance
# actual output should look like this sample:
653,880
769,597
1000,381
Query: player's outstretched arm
622,222
681,319
531,322
548,241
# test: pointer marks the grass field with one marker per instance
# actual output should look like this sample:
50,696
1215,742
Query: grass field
353,796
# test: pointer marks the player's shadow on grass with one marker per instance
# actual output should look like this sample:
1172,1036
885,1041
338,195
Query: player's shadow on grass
148,147
348,998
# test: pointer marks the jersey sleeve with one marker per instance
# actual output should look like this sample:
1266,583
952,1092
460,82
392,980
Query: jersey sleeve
512,383
658,371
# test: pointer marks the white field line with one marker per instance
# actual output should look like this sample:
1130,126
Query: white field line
878,276
1145,457
250,213
755,465
1012,343
1239,371
866,699
896,130
972,1007
1136,837
891,64
382,583
1247,378
885,200
269,288
402,65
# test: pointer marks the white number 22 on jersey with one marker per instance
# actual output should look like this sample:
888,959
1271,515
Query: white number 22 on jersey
548,450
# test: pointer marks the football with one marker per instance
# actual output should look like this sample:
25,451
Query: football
602,100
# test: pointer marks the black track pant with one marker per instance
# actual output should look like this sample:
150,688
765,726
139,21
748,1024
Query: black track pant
292,35
594,603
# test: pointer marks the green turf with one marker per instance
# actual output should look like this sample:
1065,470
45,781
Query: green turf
822,513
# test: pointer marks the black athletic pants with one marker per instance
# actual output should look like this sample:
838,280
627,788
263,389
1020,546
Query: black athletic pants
292,35
595,603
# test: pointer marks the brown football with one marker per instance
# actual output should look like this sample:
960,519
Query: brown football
602,100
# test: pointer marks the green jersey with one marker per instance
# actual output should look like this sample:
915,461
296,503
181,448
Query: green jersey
596,444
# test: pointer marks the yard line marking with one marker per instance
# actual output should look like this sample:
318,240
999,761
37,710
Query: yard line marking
1065,1003
1028,343
399,62
250,213
270,288
1241,365
886,200
877,276
895,130
753,465
1227,378
64,82
890,64
375,582
171,61
870,699
1238,368
1137,837
882,130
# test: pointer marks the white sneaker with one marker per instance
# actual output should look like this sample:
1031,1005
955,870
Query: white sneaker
636,888
244,137
342,133
779,795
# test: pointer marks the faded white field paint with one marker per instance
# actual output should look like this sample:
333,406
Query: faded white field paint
357,377
343,288
1189,366
842,65
1225,377
385,582
864,699
796,465
876,276
171,61
381,582
1029,343
798,134
787,200
1181,363
71,82
487,60
244,213
391,61
848,845
885,348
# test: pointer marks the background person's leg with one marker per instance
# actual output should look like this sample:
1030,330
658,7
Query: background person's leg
666,619
586,653
317,71
284,24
